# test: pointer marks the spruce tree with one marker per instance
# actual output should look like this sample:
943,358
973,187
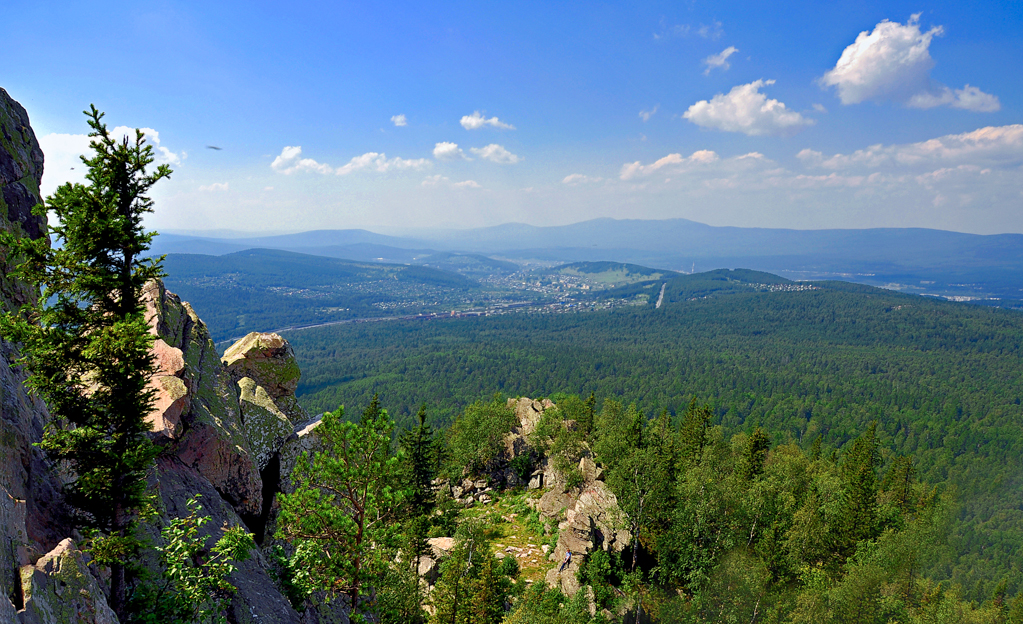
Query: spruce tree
86,343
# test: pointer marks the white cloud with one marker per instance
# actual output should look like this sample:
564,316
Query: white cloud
163,155
216,186
672,163
893,62
819,108
448,151
745,109
993,145
476,121
289,162
968,98
646,115
439,180
578,178
379,163
399,121
495,153
719,60
712,31
63,151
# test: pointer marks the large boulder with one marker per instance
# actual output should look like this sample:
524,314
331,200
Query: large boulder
266,426
269,360
60,589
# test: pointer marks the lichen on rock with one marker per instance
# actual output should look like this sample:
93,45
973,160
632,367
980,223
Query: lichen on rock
60,589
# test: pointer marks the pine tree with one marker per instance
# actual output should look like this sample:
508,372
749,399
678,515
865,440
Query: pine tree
340,516
86,341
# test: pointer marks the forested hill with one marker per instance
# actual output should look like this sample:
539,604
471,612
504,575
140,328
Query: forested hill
266,289
802,360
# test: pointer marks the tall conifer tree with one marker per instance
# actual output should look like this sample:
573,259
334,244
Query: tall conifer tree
86,341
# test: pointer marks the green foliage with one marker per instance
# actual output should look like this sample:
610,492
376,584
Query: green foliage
477,436
86,342
470,589
419,465
194,587
940,378
340,516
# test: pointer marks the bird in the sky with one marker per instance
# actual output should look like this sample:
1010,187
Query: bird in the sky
214,147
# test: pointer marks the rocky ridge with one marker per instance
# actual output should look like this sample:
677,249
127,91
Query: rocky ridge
228,430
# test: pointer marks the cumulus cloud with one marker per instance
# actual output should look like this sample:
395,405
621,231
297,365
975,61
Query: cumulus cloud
578,178
163,155
993,145
720,60
448,151
671,163
289,161
399,121
645,115
216,186
495,153
745,109
893,62
372,161
477,120
63,152
466,184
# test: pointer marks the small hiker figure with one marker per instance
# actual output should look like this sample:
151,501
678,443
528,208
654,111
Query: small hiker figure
568,559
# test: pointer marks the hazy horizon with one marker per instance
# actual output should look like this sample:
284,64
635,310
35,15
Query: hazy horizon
842,116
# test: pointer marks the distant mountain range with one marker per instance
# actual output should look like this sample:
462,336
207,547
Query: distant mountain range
915,260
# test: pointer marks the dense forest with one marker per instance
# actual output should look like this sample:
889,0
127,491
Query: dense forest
265,289
821,362
723,528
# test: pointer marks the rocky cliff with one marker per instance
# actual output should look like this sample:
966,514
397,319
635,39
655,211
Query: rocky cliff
222,425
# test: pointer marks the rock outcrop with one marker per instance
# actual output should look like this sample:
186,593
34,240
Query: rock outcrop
61,588
227,432
30,510
588,517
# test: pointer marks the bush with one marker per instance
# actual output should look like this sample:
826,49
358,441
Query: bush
477,437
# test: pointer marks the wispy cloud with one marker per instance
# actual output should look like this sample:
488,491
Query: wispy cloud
439,180
578,178
399,120
496,154
645,115
216,186
719,60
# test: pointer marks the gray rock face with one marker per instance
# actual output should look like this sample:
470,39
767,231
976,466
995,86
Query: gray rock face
30,509
21,168
60,589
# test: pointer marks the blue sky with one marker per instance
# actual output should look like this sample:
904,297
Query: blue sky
741,113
